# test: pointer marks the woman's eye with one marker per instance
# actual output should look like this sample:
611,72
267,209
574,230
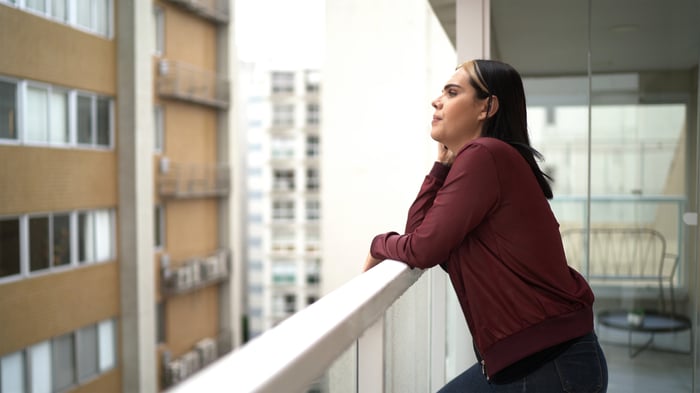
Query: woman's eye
451,93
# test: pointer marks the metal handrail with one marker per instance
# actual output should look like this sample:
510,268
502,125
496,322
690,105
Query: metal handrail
291,356
187,82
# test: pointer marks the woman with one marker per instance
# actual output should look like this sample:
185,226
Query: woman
482,214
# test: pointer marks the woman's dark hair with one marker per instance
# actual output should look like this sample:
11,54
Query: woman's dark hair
509,123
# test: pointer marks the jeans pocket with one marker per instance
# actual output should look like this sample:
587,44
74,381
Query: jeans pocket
580,369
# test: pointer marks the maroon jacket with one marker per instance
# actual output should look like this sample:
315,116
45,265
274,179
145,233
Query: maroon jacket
487,221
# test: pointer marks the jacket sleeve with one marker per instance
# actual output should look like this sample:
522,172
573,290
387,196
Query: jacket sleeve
468,194
432,183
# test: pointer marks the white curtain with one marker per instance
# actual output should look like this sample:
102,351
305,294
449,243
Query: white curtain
103,235
58,131
12,372
36,123
40,366
105,332
58,10
84,10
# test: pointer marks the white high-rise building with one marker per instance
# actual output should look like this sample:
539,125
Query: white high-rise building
284,205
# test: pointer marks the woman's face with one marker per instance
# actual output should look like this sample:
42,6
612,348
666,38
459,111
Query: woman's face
459,113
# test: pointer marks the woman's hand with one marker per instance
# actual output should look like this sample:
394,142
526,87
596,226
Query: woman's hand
445,156
370,262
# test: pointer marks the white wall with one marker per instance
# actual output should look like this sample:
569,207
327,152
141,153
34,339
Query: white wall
384,63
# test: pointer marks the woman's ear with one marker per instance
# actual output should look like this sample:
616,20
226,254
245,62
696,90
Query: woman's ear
491,106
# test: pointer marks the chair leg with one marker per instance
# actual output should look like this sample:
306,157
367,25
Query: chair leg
633,352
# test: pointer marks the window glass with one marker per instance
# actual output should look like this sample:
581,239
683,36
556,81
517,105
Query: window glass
9,247
58,10
36,5
8,110
87,352
38,243
12,372
36,125
102,17
84,120
103,123
63,361
58,117
160,323
159,24
105,331
86,239
103,235
283,272
84,11
158,226
158,125
40,367
61,239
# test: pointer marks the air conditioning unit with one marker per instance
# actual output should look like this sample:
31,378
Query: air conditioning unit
191,361
207,350
174,372
184,278
196,270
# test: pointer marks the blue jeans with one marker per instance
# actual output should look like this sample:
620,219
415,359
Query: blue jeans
580,369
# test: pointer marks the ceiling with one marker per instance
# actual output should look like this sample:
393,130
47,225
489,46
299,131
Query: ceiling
551,37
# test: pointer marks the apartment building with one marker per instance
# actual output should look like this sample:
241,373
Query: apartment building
284,203
118,212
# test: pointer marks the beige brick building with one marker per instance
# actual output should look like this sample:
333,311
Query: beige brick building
118,199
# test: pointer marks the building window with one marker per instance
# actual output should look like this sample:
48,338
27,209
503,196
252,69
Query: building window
282,82
94,121
159,129
312,114
159,24
9,247
284,304
313,240
94,16
313,179
12,372
312,146
282,148
49,241
283,272
313,81
283,115
159,226
46,115
8,110
283,180
40,366
63,361
283,210
95,234
313,271
313,210
283,239
160,323
87,352
107,344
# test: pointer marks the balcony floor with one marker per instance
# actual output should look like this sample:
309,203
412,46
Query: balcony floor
651,371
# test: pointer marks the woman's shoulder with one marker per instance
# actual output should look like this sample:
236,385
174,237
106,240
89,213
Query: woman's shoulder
493,145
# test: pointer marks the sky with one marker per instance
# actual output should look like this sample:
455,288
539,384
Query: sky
282,33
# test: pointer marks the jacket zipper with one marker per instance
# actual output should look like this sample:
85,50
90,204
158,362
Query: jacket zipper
483,369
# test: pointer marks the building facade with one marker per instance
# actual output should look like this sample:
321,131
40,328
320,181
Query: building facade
119,213
284,205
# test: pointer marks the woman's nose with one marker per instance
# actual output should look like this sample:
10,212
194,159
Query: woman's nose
436,103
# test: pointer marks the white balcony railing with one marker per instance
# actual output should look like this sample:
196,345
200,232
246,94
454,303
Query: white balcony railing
294,354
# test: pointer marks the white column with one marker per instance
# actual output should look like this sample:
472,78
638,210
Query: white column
473,29
135,148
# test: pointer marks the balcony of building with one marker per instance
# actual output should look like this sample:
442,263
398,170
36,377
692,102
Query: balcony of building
183,180
214,10
182,81
194,273
398,329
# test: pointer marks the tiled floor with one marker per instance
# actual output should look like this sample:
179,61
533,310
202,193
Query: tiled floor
651,371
